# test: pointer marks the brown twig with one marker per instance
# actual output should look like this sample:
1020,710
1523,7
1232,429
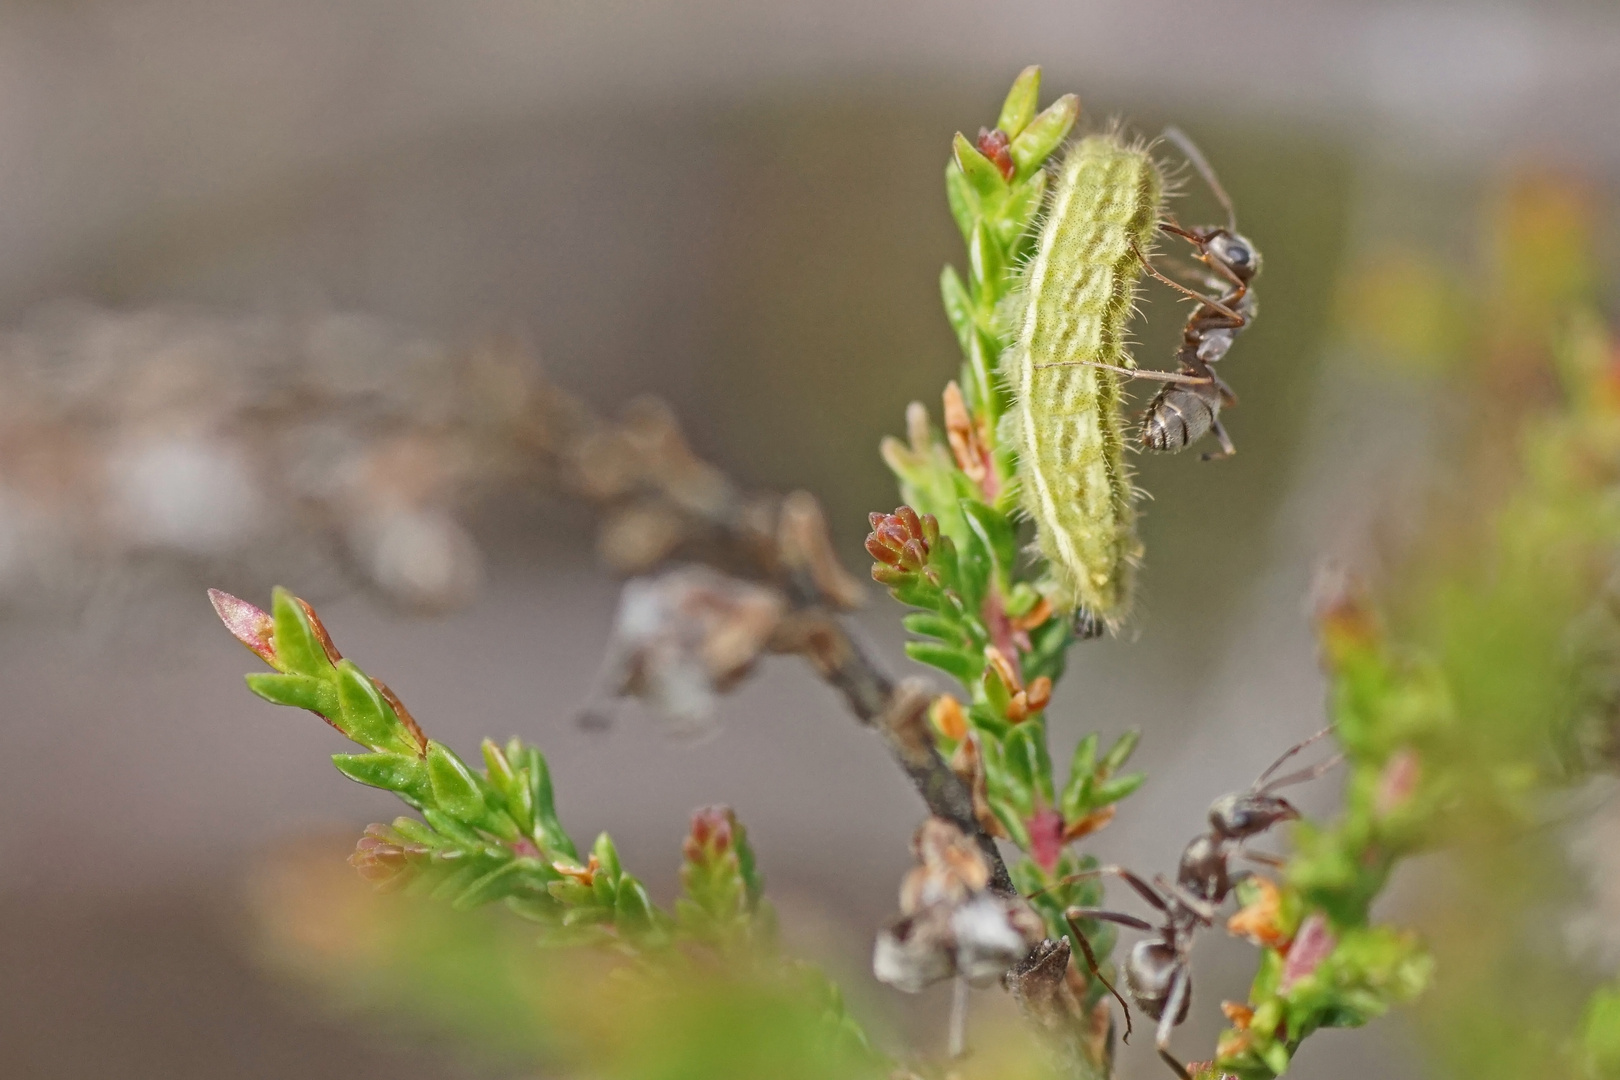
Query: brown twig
661,501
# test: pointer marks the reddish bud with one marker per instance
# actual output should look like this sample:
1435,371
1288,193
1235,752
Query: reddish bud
1045,838
993,144
249,625
901,540
1398,780
1313,944
713,829
378,855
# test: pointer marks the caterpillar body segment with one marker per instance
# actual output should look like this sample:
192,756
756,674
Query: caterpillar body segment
1072,312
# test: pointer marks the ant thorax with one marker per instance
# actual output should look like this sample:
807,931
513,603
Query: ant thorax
1203,870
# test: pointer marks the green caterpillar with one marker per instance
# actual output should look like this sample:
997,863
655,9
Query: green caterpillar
1075,301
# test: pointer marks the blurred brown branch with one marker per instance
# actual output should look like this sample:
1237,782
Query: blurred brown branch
660,502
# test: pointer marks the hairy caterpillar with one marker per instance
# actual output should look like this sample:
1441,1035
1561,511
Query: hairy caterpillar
1065,423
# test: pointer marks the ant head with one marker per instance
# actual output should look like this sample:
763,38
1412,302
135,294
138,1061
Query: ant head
1249,813
1236,252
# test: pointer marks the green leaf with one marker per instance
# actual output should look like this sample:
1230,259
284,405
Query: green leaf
987,262
633,906
994,531
979,382
997,694
1119,787
520,801
452,829
368,719
1011,820
1043,135
455,790
405,774
1119,752
607,857
1077,801
963,200
1023,762
572,891
986,721
497,769
982,174
1021,102
1014,224
492,886
958,305
295,640
299,691
552,835
457,881
934,626
961,666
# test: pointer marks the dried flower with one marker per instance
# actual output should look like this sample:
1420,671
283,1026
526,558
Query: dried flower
969,442
1258,919
948,718
688,635
951,923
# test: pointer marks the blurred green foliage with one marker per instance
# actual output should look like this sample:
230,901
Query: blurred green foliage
1470,690
493,835
1477,687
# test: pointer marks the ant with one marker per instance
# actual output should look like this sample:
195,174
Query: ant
1189,406
1158,972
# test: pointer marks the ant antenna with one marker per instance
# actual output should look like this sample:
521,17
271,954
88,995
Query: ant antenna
1261,785
1302,775
1189,149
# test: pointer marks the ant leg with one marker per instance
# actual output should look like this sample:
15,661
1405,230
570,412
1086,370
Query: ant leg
1227,447
1179,988
1102,915
1198,906
1229,397
1290,752
1135,373
1071,917
1143,889
1264,858
1209,301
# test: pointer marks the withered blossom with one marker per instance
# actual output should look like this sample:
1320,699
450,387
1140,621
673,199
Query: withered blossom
951,923
687,635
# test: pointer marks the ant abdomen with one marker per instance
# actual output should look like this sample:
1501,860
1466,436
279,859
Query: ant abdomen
1178,417
1150,974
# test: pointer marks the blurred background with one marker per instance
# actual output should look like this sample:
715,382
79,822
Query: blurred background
274,277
